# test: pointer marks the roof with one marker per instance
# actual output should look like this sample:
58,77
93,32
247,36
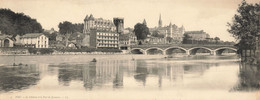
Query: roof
32,35
4,36
195,32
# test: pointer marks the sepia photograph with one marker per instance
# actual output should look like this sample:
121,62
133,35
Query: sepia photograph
129,50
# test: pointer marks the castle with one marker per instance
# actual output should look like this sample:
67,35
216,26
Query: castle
172,31
102,33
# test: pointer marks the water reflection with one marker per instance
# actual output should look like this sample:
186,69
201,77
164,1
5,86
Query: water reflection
67,73
104,73
124,74
141,71
18,77
249,78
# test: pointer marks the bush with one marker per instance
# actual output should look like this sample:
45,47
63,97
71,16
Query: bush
41,50
46,51
32,50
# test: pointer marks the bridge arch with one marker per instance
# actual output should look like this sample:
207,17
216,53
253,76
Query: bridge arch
156,50
175,47
193,51
137,51
220,50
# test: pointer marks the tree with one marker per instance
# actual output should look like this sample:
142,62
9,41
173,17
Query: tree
66,28
169,39
78,27
216,39
186,39
245,24
141,31
12,23
52,37
157,34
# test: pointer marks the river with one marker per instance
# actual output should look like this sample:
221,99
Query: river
127,77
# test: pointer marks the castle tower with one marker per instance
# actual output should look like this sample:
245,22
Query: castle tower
160,22
171,32
119,23
85,25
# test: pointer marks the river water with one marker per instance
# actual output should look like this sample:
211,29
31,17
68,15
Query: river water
119,77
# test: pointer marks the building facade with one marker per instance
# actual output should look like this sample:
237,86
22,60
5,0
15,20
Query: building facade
97,23
103,39
102,33
34,40
198,35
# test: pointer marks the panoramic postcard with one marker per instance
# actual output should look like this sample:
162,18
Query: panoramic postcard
129,50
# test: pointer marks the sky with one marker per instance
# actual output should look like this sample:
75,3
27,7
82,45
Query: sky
211,16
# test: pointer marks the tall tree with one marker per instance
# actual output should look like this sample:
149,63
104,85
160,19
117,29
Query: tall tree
66,28
141,31
245,25
12,23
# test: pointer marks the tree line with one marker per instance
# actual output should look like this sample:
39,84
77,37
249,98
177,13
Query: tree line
12,23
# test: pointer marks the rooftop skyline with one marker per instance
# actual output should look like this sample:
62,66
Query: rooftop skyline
211,16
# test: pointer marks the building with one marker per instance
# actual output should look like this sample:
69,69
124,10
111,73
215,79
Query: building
198,35
119,23
124,41
97,23
144,22
172,31
102,33
6,41
34,40
160,22
156,40
103,39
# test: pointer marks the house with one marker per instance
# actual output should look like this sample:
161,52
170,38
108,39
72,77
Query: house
6,41
35,40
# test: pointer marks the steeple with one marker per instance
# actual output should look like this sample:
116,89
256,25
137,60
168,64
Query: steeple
160,22
144,22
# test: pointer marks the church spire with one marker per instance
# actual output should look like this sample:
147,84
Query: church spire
160,22
144,22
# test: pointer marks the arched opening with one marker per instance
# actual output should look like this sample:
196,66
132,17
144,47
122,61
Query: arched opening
226,51
6,43
200,51
154,51
137,51
173,51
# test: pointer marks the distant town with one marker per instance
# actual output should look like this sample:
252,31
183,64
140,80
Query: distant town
98,34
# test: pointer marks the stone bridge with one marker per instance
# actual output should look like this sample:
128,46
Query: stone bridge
189,49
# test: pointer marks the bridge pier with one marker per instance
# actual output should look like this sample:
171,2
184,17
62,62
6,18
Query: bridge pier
145,52
187,52
213,52
163,52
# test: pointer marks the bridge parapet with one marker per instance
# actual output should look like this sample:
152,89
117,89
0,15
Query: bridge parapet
188,48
